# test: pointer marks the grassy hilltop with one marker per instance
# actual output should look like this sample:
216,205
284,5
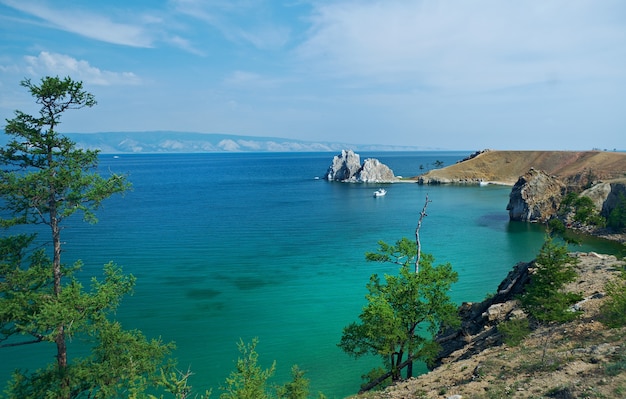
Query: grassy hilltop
504,167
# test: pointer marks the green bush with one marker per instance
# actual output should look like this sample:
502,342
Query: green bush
613,311
583,209
617,217
514,331
544,299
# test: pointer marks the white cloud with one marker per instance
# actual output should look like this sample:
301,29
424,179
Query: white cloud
250,80
483,44
184,44
238,21
86,23
62,65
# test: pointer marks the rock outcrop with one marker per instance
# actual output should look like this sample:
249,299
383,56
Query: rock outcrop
479,319
535,197
346,167
606,195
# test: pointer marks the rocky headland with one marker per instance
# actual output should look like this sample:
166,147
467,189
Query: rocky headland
346,167
505,167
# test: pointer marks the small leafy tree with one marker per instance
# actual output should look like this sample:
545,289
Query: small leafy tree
582,208
613,310
514,331
617,217
297,388
45,179
403,312
250,381
544,298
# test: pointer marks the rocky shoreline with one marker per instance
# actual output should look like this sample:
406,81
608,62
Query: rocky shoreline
475,363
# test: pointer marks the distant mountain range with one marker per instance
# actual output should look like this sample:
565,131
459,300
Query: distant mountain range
186,142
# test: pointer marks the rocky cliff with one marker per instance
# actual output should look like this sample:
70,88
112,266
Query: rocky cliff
605,195
346,167
535,197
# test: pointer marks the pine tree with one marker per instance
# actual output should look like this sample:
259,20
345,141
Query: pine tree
45,179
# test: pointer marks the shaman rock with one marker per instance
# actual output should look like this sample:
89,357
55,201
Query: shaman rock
346,167
373,171
535,197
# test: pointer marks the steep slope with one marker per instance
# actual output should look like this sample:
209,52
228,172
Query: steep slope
504,167
580,359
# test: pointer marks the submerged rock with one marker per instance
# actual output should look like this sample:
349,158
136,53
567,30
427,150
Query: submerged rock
346,167
535,197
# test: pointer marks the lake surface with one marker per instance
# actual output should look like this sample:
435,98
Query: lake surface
236,246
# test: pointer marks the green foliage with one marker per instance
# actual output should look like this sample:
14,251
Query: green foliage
556,227
404,311
544,298
44,179
583,209
613,310
375,374
514,331
617,217
618,365
297,388
250,381
402,253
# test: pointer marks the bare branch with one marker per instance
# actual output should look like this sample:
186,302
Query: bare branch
417,234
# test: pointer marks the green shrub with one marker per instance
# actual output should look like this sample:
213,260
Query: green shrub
544,299
514,331
617,217
583,209
613,311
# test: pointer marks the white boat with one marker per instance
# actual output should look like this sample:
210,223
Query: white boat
380,192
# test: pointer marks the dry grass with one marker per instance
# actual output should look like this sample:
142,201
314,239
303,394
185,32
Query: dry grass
505,167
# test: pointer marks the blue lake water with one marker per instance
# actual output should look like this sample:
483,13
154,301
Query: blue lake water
236,246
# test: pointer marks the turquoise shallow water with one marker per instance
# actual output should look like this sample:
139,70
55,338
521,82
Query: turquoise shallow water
230,246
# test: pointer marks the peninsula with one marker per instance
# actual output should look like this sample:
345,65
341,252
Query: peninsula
505,167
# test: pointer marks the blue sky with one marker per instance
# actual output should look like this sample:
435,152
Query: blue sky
501,74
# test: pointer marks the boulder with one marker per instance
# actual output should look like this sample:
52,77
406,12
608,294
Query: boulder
346,167
535,197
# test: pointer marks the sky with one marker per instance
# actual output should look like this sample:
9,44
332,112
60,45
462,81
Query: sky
447,74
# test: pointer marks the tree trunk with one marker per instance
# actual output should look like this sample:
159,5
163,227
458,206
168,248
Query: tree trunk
417,235
57,275
383,377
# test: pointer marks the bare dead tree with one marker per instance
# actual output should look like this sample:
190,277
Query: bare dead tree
417,234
